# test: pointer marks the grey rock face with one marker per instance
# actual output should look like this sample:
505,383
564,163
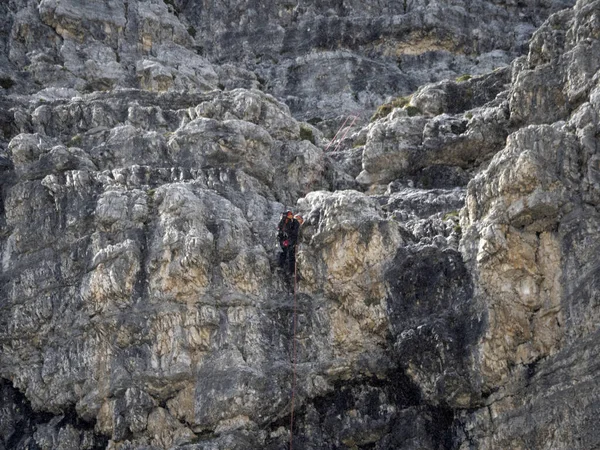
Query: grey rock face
528,217
147,247
102,45
433,152
322,58
446,293
447,132
22,428
329,57
138,274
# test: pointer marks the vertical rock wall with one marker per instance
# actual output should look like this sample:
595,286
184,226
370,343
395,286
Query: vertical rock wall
447,293
322,58
528,218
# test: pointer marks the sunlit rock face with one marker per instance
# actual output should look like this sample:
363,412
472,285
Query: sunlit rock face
445,295
530,226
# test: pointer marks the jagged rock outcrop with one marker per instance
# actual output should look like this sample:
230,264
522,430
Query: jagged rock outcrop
139,283
20,427
322,58
447,294
528,217
145,244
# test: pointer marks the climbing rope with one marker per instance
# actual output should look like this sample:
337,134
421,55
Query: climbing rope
336,134
344,136
354,118
294,352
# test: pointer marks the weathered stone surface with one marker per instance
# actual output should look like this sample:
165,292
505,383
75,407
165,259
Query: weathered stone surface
322,58
22,428
436,152
547,405
328,57
454,97
346,231
528,217
145,228
447,294
559,60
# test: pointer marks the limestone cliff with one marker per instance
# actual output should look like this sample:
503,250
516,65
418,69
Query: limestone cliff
447,293
323,58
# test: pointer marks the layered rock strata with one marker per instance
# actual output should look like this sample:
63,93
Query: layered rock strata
322,58
447,293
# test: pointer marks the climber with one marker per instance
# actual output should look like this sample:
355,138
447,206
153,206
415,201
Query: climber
287,234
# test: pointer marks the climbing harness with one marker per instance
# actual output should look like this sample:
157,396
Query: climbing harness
294,353
339,143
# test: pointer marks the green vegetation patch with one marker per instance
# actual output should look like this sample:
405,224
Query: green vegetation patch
75,141
464,77
306,134
385,109
450,214
412,110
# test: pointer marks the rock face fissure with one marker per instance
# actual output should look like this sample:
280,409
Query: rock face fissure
373,412
447,293
23,428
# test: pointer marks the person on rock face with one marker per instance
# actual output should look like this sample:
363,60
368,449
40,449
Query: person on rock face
287,234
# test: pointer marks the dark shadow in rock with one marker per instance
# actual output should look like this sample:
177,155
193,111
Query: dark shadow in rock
433,323
22,428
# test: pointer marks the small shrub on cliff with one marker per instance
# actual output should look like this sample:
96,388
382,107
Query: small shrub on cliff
75,141
306,134
412,110
385,109
381,112
450,214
